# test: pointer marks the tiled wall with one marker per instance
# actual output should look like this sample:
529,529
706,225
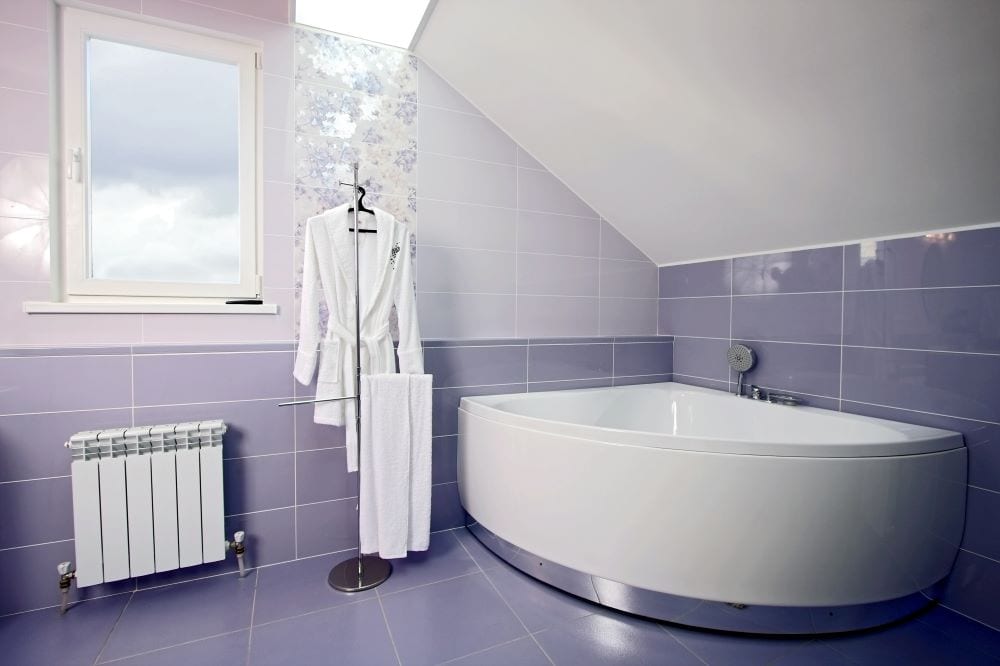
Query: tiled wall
905,329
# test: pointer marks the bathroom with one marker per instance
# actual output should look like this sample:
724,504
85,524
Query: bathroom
805,191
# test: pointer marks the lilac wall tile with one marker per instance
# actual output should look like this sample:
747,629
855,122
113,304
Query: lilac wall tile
788,317
25,12
966,385
699,317
187,378
982,510
555,275
615,246
77,329
548,316
699,357
456,179
643,358
706,278
524,159
26,123
51,384
24,58
446,401
272,10
326,527
955,259
24,193
435,91
208,328
636,279
278,208
982,440
278,155
465,315
557,234
820,269
255,427
29,261
641,379
257,484
953,319
797,368
541,191
971,588
569,384
567,361
446,507
270,536
447,224
444,463
462,135
322,475
466,271
312,435
476,366
36,512
277,269
278,112
32,444
628,316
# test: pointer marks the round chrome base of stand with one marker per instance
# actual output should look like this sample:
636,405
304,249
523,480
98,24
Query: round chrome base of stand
374,572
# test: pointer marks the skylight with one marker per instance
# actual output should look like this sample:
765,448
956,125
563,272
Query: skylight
393,22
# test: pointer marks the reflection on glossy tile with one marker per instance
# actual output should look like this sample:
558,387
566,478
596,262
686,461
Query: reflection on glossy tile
24,193
607,638
706,278
536,604
804,270
299,587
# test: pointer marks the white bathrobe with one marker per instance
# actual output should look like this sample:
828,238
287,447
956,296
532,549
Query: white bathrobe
386,280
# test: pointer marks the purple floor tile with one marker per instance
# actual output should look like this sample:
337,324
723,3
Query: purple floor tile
908,643
354,634
176,614
449,619
44,637
717,648
522,652
608,638
483,556
537,605
225,649
446,558
812,654
295,588
983,638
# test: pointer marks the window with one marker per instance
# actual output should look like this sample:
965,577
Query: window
393,22
159,136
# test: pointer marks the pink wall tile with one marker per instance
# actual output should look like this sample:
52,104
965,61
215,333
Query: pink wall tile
76,329
33,13
208,328
278,261
272,10
24,122
24,58
276,37
278,208
24,186
24,249
278,99
278,149
124,5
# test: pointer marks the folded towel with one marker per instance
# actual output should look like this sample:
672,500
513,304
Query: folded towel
395,464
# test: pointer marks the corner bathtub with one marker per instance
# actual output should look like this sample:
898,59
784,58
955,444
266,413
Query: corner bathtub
693,506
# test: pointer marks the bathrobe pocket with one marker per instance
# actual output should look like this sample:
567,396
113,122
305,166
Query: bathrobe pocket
329,362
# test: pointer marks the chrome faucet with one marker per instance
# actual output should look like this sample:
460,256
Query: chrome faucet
757,393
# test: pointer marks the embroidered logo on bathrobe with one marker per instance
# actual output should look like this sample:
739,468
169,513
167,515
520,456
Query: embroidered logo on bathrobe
393,255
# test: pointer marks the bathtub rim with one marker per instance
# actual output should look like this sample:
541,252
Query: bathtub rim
721,616
933,440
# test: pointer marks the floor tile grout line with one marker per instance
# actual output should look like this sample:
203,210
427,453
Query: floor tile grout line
385,619
423,585
107,639
170,647
682,644
502,598
484,650
253,609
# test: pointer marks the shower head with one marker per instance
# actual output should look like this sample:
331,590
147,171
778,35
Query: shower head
740,358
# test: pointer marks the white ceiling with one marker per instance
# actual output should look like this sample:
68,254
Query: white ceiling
705,128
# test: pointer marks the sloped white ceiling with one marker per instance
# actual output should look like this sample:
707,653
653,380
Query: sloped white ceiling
704,128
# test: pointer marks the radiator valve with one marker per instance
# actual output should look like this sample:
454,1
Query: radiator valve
240,549
66,575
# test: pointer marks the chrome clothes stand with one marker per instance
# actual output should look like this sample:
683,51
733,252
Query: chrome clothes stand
364,571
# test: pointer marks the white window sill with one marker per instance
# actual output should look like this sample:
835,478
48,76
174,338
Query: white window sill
53,307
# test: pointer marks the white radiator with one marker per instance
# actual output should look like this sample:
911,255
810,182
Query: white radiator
147,499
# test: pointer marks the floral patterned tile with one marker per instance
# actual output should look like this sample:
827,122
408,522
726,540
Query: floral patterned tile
385,167
354,116
355,65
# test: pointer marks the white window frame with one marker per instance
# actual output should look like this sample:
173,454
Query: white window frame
77,25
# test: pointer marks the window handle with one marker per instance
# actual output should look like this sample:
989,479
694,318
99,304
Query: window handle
75,160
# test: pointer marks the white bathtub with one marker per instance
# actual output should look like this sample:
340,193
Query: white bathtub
694,506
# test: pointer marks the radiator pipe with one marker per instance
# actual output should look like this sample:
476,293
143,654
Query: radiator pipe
66,575
240,549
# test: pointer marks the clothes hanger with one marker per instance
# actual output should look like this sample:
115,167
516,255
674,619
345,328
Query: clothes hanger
362,209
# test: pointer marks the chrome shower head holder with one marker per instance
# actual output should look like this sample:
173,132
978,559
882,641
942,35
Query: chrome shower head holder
741,359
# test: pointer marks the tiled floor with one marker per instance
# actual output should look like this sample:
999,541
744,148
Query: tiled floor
457,604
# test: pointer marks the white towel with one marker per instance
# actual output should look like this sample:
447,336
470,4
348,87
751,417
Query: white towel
396,464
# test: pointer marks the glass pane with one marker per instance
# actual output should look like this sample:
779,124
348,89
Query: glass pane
164,158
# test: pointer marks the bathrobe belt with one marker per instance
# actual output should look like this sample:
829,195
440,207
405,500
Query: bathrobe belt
373,347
